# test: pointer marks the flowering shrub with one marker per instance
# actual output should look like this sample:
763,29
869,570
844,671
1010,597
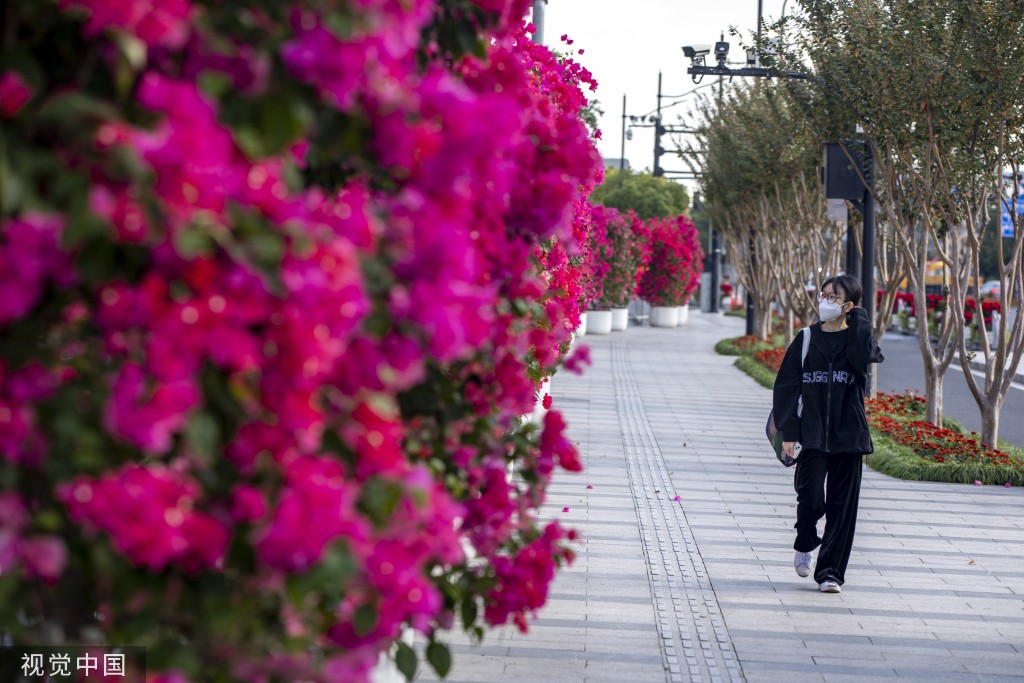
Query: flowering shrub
770,358
624,257
675,264
899,417
276,282
987,309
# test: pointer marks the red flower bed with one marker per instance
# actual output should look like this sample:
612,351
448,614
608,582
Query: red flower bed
898,416
747,342
771,358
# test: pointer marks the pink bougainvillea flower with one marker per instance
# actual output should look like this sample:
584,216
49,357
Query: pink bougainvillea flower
578,360
590,486
146,412
554,444
247,504
155,22
124,214
44,557
30,255
150,514
1007,485
14,93
522,580
677,499
978,482
565,509
316,506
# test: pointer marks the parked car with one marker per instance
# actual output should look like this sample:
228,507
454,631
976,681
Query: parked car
989,288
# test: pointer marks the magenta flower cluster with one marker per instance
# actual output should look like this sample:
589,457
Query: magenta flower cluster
625,255
674,264
277,286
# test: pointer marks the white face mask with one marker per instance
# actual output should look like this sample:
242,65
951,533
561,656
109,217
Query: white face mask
829,311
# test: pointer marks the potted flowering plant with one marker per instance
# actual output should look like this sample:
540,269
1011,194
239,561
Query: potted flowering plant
277,285
673,270
624,259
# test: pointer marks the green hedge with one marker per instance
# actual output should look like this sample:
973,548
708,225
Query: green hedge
892,458
902,463
760,373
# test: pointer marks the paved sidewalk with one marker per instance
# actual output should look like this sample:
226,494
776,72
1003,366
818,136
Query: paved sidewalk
703,589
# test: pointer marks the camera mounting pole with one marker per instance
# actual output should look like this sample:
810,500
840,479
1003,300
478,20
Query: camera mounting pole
865,163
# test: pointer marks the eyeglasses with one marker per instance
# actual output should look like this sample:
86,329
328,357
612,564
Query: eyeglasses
831,298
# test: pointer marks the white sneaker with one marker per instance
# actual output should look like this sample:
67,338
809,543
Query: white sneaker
829,587
802,563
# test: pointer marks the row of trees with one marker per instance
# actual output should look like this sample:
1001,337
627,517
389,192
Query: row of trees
277,281
936,89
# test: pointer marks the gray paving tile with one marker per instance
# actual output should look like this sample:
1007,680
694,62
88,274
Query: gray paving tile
713,570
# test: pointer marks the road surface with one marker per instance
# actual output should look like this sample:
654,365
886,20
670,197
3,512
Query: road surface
903,369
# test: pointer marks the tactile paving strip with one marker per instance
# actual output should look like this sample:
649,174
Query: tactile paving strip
694,639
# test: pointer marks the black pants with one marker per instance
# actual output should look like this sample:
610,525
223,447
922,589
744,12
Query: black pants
827,485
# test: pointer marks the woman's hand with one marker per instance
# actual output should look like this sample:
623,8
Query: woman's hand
789,448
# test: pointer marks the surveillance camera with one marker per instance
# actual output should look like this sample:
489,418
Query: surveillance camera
721,49
696,51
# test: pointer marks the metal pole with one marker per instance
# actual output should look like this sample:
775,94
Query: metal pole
622,151
851,249
750,296
867,273
757,48
716,268
657,130
716,244
538,20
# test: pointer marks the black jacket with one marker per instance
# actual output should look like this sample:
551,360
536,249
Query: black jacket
832,389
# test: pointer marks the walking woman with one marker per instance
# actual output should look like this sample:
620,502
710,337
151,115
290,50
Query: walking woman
819,408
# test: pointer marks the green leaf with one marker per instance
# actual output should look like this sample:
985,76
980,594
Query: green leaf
192,242
405,659
439,657
379,500
203,435
469,612
73,110
48,520
279,123
97,261
214,84
365,620
248,138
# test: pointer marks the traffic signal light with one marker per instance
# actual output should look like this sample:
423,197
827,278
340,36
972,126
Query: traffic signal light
659,130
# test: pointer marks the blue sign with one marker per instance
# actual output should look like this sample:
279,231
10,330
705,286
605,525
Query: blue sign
1005,220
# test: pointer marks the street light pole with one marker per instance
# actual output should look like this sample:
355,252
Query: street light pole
757,49
538,20
655,169
867,269
716,240
622,149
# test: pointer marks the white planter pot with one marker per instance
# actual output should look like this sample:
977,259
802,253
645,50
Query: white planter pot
684,314
664,316
581,331
620,319
599,322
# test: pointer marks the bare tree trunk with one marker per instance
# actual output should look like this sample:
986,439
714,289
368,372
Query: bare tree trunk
933,398
990,425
